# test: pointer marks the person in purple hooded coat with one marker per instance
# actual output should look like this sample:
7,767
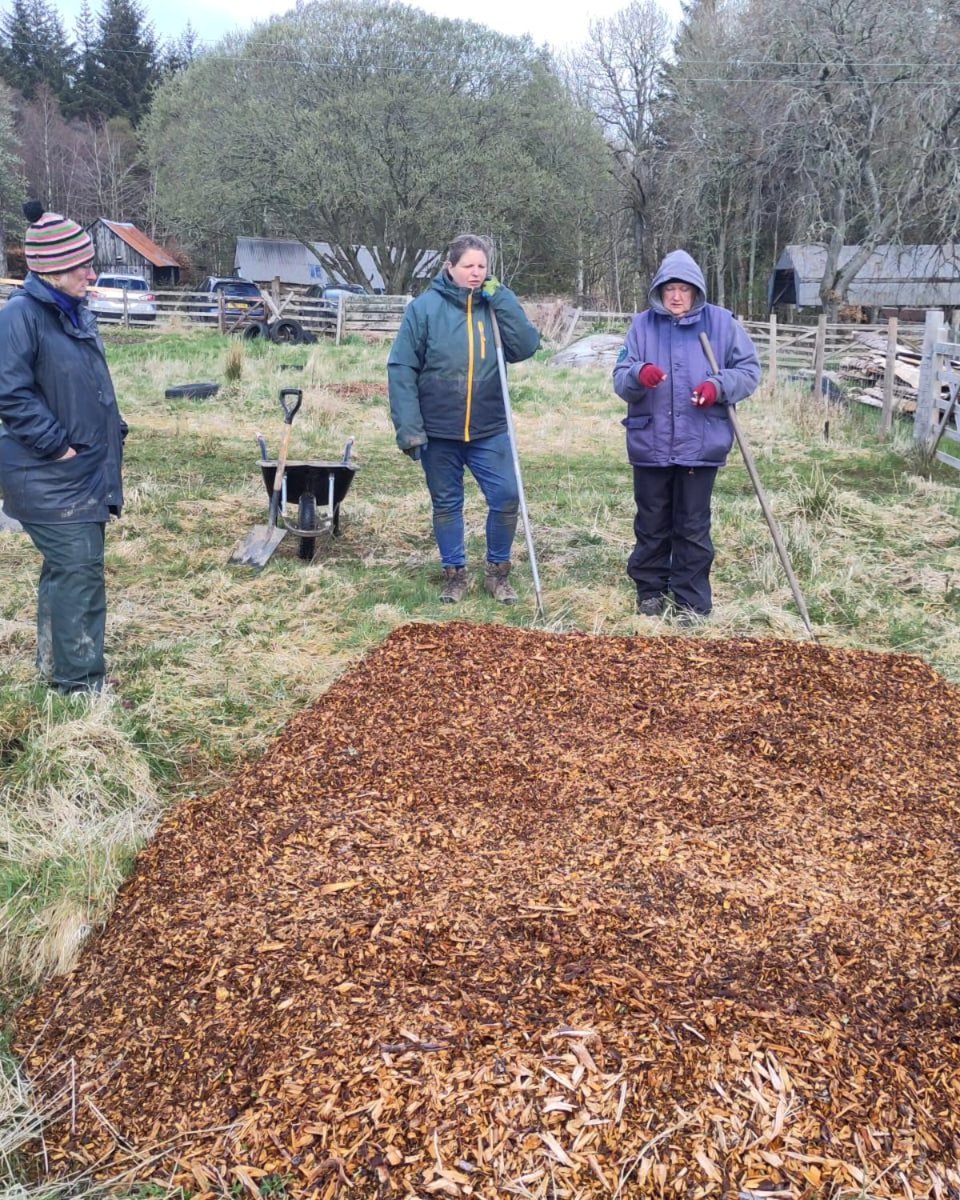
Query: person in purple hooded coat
678,432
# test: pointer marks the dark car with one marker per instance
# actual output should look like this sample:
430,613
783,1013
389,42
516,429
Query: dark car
334,291
241,298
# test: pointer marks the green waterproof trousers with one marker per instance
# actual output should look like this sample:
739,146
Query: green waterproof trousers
71,604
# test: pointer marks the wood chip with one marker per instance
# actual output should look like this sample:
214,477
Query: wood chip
517,913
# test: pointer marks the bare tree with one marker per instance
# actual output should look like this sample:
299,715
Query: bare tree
869,128
50,153
718,143
112,181
619,72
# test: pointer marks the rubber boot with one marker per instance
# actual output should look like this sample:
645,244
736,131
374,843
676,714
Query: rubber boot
455,585
497,583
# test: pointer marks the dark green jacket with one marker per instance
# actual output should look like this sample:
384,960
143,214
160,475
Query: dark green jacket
56,392
442,371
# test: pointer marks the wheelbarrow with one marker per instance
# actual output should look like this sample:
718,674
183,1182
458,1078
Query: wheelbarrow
317,489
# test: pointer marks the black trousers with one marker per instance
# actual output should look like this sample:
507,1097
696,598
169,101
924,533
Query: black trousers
673,551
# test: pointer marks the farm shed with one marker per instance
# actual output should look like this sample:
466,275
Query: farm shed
292,262
893,277
121,246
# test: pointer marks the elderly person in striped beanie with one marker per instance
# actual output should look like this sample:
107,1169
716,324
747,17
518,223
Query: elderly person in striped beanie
61,445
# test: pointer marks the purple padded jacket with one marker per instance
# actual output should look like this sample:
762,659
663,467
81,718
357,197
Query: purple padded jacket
664,428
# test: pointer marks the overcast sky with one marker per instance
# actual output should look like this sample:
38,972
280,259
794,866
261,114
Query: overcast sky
560,24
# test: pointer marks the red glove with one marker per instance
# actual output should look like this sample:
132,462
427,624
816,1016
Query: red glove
705,395
650,375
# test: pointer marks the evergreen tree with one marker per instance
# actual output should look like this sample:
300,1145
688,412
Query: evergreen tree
16,32
127,64
179,54
36,50
85,100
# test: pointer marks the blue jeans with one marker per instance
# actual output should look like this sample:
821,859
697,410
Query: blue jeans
673,551
491,464
71,604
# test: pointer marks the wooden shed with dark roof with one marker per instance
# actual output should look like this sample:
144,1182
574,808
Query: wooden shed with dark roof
121,246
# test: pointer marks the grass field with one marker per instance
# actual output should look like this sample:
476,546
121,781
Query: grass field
212,659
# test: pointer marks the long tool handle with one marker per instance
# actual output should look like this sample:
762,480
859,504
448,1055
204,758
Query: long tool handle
502,367
289,412
761,495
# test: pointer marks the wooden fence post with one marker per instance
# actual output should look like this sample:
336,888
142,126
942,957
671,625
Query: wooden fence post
886,424
340,302
819,354
929,390
221,313
568,335
772,355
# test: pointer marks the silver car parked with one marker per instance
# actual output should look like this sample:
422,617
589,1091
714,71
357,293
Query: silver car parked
106,298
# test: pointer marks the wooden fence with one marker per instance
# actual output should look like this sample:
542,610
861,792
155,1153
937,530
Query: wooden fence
365,315
782,348
937,398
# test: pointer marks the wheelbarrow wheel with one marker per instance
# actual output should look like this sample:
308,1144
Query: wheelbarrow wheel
307,519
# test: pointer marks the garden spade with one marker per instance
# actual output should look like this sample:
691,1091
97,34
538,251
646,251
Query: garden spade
255,549
761,495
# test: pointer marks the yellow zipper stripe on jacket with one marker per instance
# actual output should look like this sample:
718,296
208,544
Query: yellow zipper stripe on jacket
466,422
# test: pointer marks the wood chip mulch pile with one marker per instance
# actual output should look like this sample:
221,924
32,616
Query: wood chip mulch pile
513,913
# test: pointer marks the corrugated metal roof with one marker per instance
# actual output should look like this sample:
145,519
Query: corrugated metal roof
920,276
264,259
141,243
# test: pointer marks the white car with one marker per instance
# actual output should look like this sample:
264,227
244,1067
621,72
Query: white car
106,298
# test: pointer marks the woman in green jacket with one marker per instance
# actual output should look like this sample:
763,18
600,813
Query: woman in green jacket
447,405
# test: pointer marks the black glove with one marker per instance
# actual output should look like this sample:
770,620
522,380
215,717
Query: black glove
413,452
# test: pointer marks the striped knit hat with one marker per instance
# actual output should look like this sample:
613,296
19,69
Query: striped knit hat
53,243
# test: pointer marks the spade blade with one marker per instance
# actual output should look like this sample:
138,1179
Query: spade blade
255,549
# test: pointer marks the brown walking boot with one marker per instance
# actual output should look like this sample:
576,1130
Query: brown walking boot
455,584
497,583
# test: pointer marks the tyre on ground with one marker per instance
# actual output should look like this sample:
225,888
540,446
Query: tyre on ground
286,332
195,391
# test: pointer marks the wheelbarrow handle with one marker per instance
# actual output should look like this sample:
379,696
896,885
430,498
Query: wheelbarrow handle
290,410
